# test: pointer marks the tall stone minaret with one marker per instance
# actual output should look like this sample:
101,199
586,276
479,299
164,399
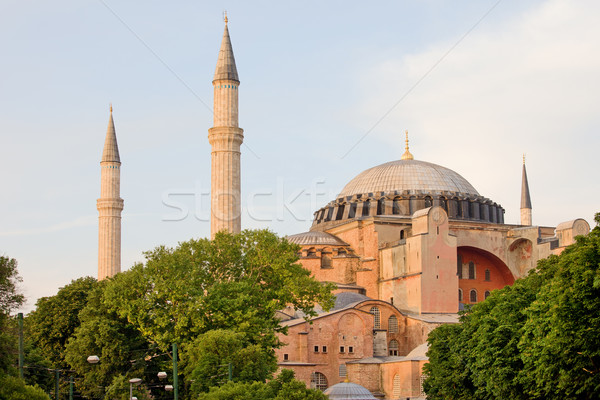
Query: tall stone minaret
109,205
225,138
525,199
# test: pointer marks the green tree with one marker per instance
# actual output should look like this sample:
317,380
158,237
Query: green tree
206,360
560,345
283,387
55,319
10,299
537,339
115,341
234,282
12,388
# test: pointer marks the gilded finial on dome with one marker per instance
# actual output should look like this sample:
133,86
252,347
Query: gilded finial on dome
111,108
523,158
407,155
225,16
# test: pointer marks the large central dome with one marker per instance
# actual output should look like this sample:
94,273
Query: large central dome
401,188
408,175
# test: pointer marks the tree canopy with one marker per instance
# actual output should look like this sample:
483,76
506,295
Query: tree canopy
216,299
537,339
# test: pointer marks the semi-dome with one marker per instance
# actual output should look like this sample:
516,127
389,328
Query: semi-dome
408,175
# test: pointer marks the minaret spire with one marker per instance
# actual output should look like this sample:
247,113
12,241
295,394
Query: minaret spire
525,198
225,138
109,206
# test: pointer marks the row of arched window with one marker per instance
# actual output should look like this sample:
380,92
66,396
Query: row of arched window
472,270
478,209
392,320
472,295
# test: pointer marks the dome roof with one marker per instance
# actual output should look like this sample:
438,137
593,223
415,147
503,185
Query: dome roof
347,391
316,238
408,175
345,298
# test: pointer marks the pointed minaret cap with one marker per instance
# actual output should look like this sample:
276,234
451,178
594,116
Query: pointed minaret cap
226,69
407,155
525,198
111,150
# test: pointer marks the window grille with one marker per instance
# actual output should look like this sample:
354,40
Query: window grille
377,315
318,381
393,348
396,389
393,324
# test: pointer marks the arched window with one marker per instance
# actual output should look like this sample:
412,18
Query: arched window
326,258
487,275
396,389
459,266
473,296
352,210
444,204
459,212
340,212
471,270
318,381
329,214
311,252
460,295
486,294
393,347
381,206
396,206
366,208
343,372
428,202
402,234
393,324
377,315
342,251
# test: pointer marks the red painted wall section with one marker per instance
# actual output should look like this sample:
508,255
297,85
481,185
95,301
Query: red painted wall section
499,274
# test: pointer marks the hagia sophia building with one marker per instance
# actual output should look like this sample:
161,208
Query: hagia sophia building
408,243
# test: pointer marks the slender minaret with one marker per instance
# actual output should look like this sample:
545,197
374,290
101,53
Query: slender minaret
525,199
225,138
109,205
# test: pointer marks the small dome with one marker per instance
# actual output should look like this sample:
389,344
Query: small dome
348,391
410,175
345,298
316,238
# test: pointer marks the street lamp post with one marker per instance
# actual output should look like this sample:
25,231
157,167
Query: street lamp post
133,381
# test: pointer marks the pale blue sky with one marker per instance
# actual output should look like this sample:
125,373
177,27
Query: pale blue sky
315,78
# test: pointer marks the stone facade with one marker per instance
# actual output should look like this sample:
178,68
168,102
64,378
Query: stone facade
421,254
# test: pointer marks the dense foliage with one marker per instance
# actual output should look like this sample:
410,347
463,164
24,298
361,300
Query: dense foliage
55,318
537,339
217,299
284,387
11,388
